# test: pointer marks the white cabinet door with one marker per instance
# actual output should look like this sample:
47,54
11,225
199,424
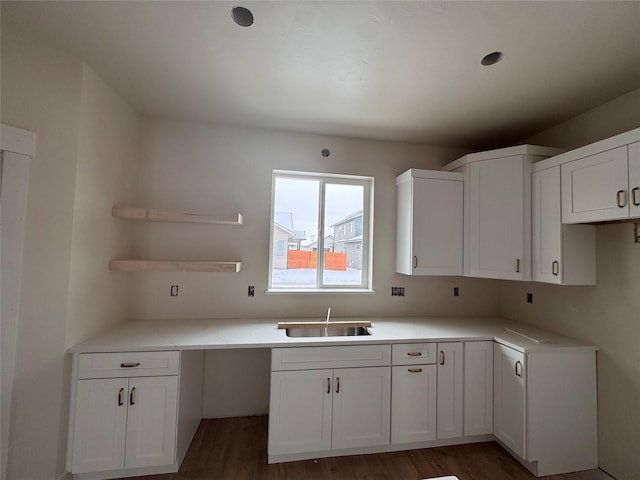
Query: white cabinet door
634,179
300,411
561,254
100,425
450,385
413,403
547,226
429,223
478,388
509,398
361,407
151,424
594,188
498,219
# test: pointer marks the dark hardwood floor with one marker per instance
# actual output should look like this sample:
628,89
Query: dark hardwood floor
236,449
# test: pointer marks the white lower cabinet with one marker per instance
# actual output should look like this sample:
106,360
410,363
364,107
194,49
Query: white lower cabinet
478,388
361,407
450,390
125,415
100,425
545,408
125,423
300,411
319,410
413,393
413,403
509,398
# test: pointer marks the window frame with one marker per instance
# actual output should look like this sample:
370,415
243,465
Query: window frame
366,286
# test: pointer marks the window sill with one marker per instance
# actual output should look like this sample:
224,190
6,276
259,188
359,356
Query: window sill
316,291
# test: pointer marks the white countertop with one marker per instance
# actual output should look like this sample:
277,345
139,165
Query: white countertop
145,335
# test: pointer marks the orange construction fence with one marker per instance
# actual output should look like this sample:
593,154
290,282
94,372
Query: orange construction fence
306,259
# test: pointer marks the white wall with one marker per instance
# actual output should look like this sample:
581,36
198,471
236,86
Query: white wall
85,139
214,168
608,314
41,93
106,175
221,169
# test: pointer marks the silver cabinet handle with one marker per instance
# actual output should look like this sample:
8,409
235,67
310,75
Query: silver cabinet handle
414,354
415,261
414,370
132,396
130,365
441,357
620,199
517,265
120,401
337,384
516,369
635,196
328,385
555,267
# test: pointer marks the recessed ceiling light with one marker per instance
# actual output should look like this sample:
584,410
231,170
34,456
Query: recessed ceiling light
242,16
492,58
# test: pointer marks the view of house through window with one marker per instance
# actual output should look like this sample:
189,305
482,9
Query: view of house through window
320,231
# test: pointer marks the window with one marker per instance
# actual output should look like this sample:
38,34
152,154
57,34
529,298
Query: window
317,207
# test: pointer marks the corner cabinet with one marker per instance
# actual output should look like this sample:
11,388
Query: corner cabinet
429,223
545,401
497,210
139,214
562,254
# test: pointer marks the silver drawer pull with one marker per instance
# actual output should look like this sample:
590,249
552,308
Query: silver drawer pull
555,268
120,402
620,200
130,365
441,357
132,396
635,195
415,354
415,370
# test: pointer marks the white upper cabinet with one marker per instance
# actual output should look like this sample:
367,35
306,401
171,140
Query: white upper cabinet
634,179
561,254
595,187
497,211
429,223
601,181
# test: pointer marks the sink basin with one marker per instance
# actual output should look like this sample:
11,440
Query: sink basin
326,331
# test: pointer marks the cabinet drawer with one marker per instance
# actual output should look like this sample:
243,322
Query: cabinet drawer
307,358
413,353
127,364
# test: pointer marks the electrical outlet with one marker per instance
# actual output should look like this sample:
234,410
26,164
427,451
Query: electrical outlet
251,291
174,290
456,292
529,297
397,291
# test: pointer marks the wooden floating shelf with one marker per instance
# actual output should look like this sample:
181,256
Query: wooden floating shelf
322,324
154,215
174,266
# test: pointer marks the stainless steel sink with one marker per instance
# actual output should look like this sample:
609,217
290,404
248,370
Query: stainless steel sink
326,331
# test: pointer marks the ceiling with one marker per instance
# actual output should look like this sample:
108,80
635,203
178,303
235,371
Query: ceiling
401,70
